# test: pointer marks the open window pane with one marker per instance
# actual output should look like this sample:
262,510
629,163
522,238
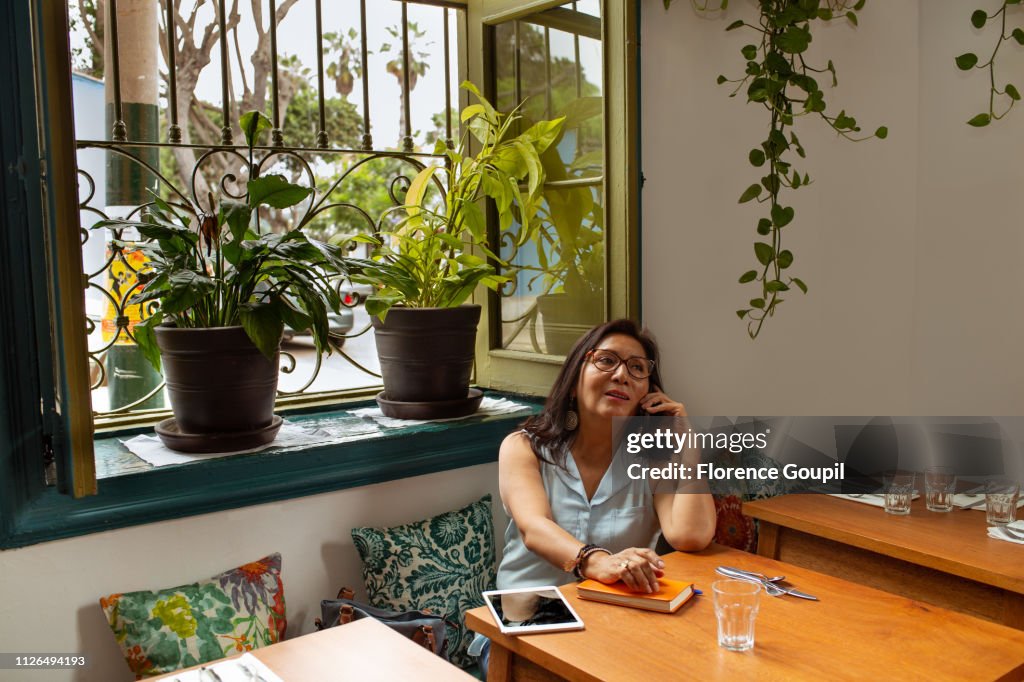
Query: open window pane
550,64
357,140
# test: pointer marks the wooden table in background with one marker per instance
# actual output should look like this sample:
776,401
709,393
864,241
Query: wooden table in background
854,633
365,650
946,559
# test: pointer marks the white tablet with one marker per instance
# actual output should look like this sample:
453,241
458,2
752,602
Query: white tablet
528,610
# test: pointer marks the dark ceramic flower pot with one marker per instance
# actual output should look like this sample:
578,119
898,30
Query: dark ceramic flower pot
426,354
566,318
218,381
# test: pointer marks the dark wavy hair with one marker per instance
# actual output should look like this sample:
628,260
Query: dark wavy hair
546,430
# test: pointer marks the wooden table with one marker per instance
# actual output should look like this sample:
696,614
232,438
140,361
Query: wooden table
364,650
854,633
945,559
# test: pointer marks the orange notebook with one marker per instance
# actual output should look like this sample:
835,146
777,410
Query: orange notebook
670,596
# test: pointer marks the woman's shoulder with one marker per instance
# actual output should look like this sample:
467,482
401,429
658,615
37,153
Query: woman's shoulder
520,446
515,442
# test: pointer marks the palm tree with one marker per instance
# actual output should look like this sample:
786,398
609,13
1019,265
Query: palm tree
396,66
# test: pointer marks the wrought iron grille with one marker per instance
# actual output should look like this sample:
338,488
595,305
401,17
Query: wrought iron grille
187,171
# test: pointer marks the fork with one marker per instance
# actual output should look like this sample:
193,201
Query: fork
772,589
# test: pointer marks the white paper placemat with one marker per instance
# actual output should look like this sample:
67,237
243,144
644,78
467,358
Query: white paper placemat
231,671
874,499
961,500
152,449
997,533
488,407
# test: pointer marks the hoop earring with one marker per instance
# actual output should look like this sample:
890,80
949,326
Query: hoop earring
572,419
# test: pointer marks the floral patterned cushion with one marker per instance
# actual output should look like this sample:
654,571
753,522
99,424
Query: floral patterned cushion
734,528
165,630
440,565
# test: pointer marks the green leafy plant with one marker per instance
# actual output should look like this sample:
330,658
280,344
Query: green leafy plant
426,258
1006,97
778,77
570,235
214,269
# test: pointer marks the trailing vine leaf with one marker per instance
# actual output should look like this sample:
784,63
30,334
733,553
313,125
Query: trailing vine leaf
1009,94
778,76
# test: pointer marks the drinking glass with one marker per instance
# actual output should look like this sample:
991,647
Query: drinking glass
898,489
736,604
939,486
1001,500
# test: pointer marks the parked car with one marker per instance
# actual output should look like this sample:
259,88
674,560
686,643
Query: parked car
353,294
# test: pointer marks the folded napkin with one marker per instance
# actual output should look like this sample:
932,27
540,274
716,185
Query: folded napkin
962,500
874,499
997,533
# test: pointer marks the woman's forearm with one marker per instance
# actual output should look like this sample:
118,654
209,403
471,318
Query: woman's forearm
687,520
548,540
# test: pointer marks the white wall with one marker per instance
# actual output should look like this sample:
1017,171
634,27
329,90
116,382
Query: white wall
909,245
49,593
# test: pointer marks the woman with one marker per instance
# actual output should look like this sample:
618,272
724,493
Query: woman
574,510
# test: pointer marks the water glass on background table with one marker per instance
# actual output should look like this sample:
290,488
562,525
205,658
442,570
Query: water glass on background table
898,490
736,605
939,486
1001,500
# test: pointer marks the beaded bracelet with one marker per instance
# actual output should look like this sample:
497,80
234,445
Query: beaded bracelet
584,552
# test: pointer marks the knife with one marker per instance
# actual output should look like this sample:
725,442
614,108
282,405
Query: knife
787,590
796,593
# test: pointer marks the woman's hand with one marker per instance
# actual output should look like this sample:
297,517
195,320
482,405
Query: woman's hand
657,402
639,568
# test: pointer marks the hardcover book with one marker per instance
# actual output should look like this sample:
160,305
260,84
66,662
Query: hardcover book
670,596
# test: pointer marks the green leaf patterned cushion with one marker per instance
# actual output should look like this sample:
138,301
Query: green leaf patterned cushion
235,611
440,565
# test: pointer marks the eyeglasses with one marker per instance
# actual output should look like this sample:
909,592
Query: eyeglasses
608,361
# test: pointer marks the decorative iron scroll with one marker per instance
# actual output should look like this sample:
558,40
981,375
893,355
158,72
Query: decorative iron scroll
328,199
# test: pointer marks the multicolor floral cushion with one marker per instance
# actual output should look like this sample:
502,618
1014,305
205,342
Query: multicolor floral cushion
734,528
440,565
235,611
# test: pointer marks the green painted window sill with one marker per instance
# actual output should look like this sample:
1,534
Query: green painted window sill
132,492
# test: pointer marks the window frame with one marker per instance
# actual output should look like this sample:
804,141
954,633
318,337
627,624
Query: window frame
533,373
37,379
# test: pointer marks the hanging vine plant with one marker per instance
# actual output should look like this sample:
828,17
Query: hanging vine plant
778,77
1000,100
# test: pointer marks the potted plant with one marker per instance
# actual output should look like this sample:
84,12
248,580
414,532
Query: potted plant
434,255
225,293
573,301
569,240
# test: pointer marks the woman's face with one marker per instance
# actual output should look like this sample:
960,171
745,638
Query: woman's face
615,393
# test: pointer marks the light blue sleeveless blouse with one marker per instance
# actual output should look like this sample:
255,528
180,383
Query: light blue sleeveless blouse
620,515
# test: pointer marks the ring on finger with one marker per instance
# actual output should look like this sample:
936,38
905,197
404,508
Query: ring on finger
625,565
